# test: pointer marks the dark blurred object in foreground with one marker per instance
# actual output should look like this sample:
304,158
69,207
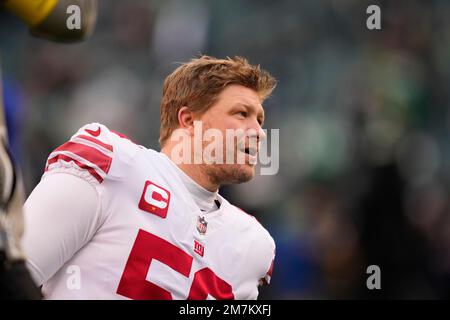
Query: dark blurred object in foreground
16,282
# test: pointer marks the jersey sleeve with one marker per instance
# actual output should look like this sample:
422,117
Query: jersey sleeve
65,209
260,261
61,215
267,255
262,249
94,153
268,276
258,258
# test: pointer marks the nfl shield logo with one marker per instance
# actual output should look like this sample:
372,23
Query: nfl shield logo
201,225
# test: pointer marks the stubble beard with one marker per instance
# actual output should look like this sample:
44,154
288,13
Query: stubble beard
224,174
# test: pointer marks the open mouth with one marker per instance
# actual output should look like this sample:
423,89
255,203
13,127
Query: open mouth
251,151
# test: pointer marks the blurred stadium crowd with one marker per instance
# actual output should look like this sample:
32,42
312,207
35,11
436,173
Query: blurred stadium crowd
363,116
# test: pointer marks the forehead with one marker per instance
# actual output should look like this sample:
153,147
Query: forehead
237,94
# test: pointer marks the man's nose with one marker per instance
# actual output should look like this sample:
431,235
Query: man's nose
256,133
263,134
260,133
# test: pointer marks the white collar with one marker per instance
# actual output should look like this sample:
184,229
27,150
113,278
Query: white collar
205,199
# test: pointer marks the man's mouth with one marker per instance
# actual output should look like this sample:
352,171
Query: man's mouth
251,151
251,154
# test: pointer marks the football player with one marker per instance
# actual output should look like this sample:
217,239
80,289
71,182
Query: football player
111,219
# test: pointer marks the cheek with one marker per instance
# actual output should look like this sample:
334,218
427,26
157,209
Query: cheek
222,123
231,122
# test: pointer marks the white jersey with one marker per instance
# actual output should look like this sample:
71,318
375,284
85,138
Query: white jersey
147,238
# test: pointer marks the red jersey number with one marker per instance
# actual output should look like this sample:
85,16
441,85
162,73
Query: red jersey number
133,283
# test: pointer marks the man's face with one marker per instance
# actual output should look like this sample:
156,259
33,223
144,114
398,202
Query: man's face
238,111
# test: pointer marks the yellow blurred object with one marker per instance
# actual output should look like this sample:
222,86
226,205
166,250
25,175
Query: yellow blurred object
31,11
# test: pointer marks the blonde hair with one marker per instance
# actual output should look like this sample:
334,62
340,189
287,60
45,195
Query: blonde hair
196,85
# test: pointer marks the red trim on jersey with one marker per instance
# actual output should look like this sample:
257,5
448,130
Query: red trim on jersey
89,153
96,141
269,273
78,163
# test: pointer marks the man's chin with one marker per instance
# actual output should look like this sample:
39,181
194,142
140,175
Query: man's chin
232,174
244,173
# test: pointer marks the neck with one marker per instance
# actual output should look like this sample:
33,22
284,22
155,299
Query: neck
194,171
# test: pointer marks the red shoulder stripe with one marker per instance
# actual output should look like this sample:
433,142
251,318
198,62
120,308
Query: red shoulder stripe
96,141
78,163
89,153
